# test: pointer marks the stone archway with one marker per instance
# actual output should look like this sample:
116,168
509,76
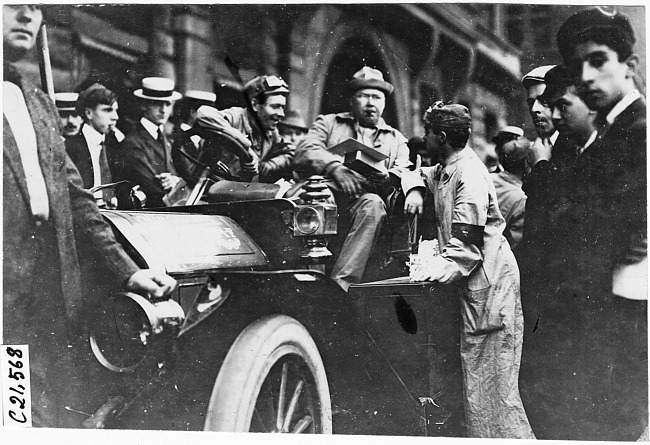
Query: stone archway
329,47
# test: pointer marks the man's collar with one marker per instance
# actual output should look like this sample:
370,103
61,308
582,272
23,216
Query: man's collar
622,104
11,73
151,128
554,137
93,137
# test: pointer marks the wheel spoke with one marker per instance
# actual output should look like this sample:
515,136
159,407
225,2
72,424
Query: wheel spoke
259,418
292,405
281,396
302,424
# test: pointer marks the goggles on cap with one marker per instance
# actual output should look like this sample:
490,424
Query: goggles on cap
273,83
436,105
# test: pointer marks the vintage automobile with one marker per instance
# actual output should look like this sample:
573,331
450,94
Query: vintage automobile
257,337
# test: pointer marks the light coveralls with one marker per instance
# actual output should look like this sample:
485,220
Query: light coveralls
469,229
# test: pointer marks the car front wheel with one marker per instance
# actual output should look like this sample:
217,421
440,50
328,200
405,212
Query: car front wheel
272,380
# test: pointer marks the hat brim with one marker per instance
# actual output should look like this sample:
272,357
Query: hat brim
66,109
173,97
359,84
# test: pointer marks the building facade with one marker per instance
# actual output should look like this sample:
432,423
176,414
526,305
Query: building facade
474,54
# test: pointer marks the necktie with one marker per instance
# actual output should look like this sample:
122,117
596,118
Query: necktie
104,170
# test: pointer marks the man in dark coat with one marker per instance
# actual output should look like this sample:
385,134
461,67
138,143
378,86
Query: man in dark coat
47,219
146,158
584,369
90,148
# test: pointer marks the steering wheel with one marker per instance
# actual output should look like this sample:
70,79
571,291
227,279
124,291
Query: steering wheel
209,156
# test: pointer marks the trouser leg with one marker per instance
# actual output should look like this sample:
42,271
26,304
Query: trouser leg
367,216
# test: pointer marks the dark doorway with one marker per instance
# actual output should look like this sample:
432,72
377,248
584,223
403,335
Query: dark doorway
354,54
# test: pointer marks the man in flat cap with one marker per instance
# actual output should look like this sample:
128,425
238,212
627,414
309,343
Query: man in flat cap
48,221
293,127
70,120
362,210
511,149
258,121
146,158
591,359
476,257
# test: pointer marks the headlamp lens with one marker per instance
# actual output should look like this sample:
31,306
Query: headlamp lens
307,220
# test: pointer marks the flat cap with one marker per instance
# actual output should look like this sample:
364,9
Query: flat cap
66,101
594,21
368,77
294,119
557,80
535,76
507,132
200,96
441,116
267,85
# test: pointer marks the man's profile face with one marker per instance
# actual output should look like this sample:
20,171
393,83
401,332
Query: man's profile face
20,25
157,111
603,78
368,105
270,112
570,114
70,123
434,145
540,113
103,117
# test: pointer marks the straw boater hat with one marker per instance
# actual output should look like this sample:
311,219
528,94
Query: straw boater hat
204,97
66,101
157,88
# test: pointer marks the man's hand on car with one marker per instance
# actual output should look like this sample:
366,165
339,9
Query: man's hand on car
351,182
156,283
414,202
167,180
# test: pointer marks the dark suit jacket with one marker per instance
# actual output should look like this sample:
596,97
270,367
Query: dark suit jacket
73,213
142,159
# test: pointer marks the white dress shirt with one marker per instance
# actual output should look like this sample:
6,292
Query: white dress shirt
17,115
151,128
95,142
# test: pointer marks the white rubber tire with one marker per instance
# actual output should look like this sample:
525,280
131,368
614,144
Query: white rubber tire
259,346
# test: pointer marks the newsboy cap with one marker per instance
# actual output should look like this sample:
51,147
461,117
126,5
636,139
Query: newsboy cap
441,116
507,132
597,21
368,77
267,85
65,101
557,80
294,119
536,75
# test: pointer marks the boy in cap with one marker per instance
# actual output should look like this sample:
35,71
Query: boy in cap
146,151
293,127
476,257
590,364
361,208
511,149
258,121
70,120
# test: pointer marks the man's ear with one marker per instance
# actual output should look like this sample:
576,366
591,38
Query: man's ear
254,104
632,63
443,137
87,113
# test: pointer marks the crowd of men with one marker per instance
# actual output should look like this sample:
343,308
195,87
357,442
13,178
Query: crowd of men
541,249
